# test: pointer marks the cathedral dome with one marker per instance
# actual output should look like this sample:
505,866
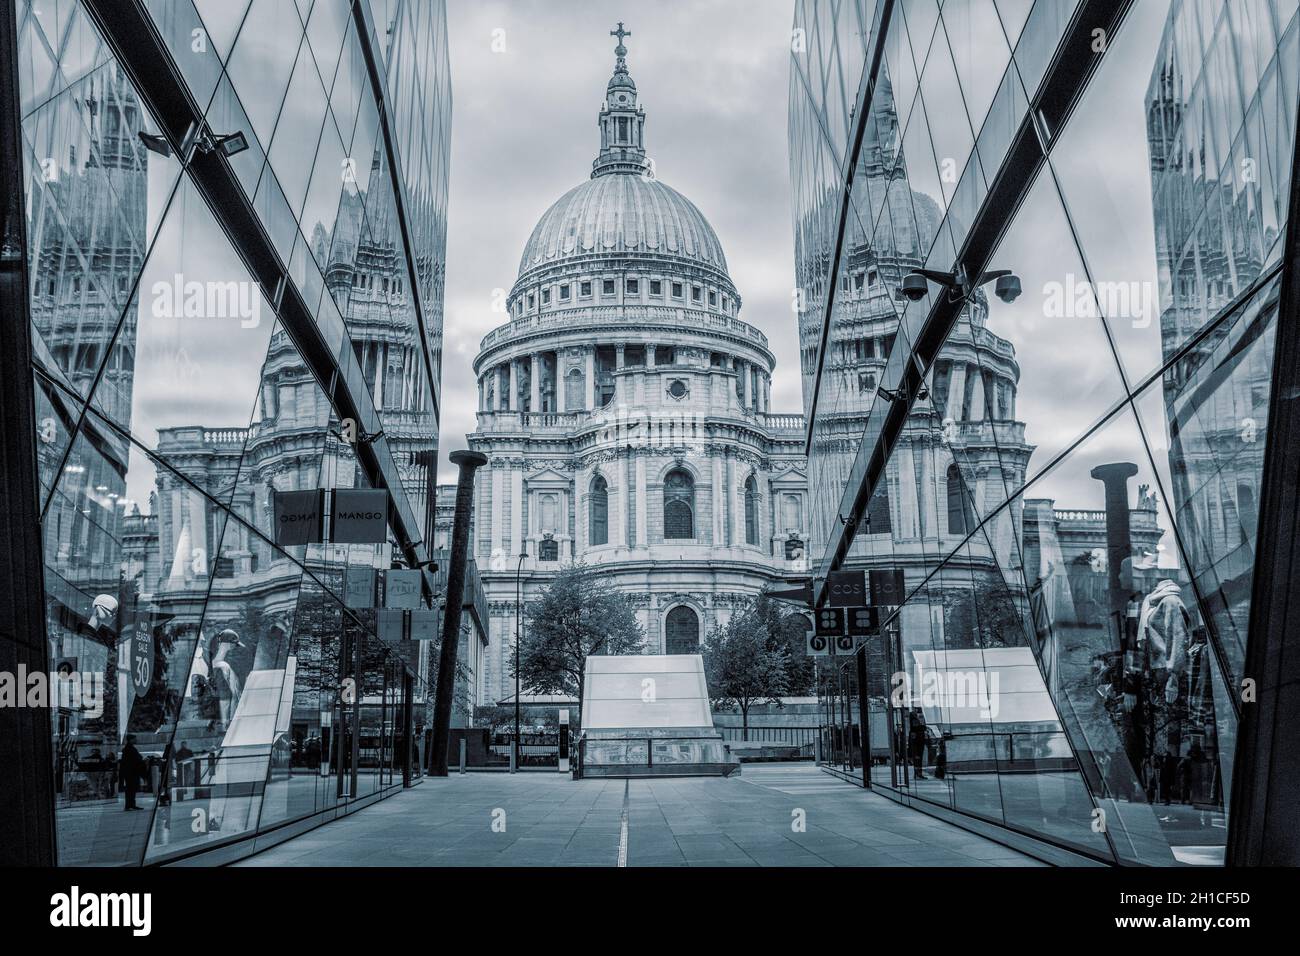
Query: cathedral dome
623,213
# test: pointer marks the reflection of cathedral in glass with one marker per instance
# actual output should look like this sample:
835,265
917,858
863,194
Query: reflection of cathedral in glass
1219,188
165,432
1072,498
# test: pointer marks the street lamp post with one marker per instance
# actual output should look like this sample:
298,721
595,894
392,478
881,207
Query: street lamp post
514,763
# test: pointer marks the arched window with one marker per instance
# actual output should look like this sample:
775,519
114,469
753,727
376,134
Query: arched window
599,511
961,516
681,631
751,511
679,505
575,390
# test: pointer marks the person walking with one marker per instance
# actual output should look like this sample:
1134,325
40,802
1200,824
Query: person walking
131,767
916,742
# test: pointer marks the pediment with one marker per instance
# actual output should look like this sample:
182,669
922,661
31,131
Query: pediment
790,476
549,476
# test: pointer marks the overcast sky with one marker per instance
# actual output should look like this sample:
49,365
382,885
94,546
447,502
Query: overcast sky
713,77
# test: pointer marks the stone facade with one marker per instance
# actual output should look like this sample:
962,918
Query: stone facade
625,411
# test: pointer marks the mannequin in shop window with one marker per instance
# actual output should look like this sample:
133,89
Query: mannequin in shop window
1170,731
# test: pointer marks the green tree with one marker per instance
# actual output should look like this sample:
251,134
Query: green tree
789,629
747,662
577,615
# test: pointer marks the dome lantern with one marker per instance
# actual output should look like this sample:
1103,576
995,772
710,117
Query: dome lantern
621,120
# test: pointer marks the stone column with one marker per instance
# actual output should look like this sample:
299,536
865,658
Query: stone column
742,370
641,537
498,526
629,498
535,380
977,400
516,510
560,404
956,391
737,491
618,356
729,479
719,521
513,401
928,516
650,355
908,506
591,378
198,537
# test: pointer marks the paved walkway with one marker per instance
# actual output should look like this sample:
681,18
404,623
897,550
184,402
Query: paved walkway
770,815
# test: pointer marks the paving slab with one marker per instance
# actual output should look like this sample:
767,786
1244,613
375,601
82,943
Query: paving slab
770,815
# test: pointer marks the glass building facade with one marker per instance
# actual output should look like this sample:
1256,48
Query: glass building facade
1069,479
212,325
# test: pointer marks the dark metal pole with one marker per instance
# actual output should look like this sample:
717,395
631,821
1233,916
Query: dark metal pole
26,747
1119,545
518,613
408,726
468,462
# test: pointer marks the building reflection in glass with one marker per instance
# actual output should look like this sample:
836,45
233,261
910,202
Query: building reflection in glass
240,692
1073,496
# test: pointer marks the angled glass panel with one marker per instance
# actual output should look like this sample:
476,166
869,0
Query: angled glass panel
1206,420
226,115
57,415
186,39
949,125
298,131
221,21
229,737
1013,14
1126,650
96,198
979,51
326,25
921,16
1109,160
199,336
58,46
126,579
262,60
998,687
1046,360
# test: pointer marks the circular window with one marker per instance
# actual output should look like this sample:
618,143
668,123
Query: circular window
677,388
622,98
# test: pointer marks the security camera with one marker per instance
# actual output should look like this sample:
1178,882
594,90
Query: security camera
914,286
1007,288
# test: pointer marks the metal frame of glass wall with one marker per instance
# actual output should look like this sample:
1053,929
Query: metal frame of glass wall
1075,480
234,221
